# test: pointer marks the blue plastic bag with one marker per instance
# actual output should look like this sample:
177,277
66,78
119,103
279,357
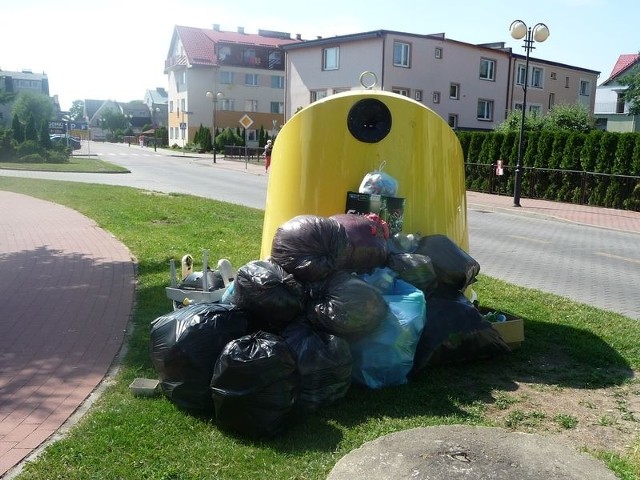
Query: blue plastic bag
384,357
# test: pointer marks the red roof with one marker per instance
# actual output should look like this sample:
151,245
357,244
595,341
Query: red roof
199,43
624,62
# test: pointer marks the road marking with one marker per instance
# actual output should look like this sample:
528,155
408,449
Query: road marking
529,239
610,255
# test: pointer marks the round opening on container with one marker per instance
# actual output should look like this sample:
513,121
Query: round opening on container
369,120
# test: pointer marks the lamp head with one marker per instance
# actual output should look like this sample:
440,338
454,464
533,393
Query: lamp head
518,29
540,32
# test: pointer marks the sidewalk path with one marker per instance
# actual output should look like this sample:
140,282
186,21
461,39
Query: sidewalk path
67,290
624,220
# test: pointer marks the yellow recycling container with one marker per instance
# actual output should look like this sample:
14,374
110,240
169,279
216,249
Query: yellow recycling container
326,149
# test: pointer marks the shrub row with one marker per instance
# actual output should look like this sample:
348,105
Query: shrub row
598,168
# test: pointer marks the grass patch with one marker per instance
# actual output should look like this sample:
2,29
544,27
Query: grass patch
567,346
75,164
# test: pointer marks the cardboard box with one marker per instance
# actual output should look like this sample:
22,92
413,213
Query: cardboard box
390,209
511,331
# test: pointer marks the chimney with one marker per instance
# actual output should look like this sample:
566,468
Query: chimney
216,27
241,30
298,36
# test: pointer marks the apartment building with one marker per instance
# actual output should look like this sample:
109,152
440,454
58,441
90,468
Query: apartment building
243,73
472,87
612,109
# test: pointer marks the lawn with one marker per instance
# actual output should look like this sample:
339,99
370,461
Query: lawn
573,375
75,164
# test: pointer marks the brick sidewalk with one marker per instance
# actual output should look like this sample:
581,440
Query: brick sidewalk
67,294
624,220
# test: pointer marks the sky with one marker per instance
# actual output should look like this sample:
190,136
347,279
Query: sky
116,49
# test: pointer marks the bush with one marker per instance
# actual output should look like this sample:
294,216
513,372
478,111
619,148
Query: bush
29,148
32,158
57,157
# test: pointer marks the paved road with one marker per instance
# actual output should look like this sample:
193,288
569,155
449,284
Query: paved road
592,265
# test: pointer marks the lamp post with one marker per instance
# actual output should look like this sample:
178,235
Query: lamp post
214,97
539,33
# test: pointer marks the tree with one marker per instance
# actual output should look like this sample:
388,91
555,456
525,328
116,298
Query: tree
30,131
632,93
18,129
36,104
45,138
575,118
112,121
76,112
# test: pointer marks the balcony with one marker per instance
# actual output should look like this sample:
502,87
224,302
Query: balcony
611,107
175,61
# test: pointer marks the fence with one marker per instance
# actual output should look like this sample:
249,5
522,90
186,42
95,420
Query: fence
573,186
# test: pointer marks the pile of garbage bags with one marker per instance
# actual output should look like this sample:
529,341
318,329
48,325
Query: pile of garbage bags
339,302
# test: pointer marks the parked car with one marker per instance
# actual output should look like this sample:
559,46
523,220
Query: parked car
69,140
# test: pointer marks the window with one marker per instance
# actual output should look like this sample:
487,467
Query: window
331,58
418,95
436,97
485,110
226,77
277,81
487,69
318,95
438,52
535,109
251,79
552,100
620,101
453,120
520,75
585,87
566,82
249,57
400,91
277,107
251,105
171,106
275,59
537,74
225,104
401,54
454,91
553,75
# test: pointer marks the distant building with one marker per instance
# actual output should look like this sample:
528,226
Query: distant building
23,81
612,110
157,102
472,87
244,73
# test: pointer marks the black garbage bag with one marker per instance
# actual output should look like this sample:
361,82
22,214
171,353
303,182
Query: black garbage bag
416,269
185,345
255,385
367,242
310,247
453,266
346,306
455,331
273,297
324,364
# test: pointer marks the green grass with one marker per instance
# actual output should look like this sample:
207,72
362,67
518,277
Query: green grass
128,437
75,164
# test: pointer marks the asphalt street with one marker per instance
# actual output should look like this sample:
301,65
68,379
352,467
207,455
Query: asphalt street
596,266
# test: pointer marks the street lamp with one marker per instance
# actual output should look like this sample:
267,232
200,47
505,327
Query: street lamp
214,97
539,33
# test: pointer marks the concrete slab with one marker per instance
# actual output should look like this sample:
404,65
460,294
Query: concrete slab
472,453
